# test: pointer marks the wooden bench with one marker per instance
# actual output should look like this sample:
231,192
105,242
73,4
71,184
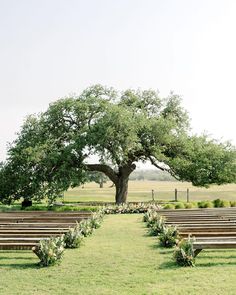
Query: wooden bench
211,243
23,230
212,228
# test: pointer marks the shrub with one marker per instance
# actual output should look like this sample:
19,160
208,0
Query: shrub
157,227
208,204
169,236
184,254
179,206
73,238
232,203
169,206
146,216
218,203
194,204
50,251
96,219
85,227
205,204
153,218
201,204
225,203
188,205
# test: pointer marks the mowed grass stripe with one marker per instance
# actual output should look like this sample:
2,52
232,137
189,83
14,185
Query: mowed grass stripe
119,259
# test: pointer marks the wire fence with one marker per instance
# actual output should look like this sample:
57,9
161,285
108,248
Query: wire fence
191,196
145,195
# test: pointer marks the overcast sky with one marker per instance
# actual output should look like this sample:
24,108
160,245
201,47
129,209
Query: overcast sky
51,48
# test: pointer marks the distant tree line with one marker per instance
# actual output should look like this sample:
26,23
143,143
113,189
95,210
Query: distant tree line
153,175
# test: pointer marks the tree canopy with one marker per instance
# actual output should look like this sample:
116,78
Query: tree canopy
53,148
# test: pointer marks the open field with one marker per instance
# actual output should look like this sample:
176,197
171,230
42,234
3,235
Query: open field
120,258
141,191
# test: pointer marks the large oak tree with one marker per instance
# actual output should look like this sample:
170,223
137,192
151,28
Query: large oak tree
53,148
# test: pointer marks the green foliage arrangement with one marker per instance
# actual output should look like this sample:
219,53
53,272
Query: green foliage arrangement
169,237
146,215
184,254
50,251
85,227
158,227
153,218
154,221
73,237
128,208
97,219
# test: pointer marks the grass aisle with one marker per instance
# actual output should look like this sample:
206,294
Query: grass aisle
118,259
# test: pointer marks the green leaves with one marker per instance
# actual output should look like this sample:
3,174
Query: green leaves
50,251
52,149
184,253
204,161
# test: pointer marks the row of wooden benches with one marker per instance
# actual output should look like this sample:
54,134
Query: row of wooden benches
23,230
212,228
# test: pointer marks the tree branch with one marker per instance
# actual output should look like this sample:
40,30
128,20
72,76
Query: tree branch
154,163
108,171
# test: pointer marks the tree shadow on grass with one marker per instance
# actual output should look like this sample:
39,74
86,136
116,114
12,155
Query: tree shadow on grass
211,264
217,256
155,246
169,265
20,266
220,250
147,234
16,255
16,258
162,250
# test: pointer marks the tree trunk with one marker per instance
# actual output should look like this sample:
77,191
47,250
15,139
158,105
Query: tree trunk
101,183
26,203
120,178
122,189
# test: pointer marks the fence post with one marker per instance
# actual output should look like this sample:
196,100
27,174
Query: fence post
187,195
176,195
152,194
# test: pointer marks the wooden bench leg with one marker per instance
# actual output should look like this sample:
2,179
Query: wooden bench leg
196,252
34,249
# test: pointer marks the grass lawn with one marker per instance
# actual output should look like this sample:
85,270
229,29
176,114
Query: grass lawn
141,191
118,259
